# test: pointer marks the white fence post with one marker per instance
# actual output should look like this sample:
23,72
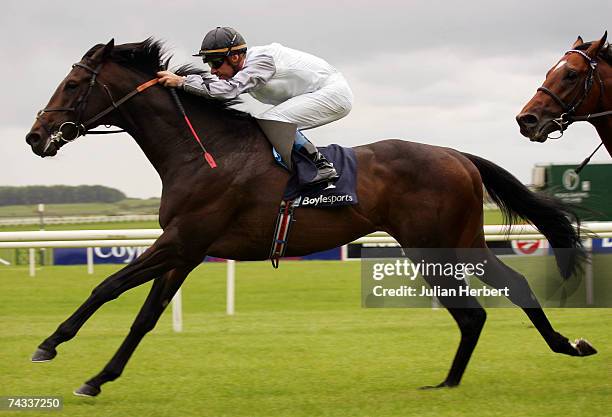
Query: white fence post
90,262
231,284
588,274
344,252
177,311
32,261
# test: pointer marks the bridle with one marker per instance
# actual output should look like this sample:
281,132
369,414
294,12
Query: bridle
568,116
69,131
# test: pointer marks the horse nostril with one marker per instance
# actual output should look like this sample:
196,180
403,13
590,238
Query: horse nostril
33,139
527,120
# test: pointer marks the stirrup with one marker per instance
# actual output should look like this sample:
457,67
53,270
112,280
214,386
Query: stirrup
330,185
331,176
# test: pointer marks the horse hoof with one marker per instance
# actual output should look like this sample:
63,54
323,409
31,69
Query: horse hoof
440,385
43,355
584,348
87,391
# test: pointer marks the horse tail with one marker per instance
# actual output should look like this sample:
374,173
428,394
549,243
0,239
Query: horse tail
549,215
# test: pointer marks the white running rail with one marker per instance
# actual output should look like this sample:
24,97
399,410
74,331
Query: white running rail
146,237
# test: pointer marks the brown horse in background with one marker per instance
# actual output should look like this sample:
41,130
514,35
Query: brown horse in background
424,196
577,88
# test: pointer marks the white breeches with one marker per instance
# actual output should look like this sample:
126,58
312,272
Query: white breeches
331,102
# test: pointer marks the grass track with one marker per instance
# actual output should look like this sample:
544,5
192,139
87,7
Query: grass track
300,345
127,206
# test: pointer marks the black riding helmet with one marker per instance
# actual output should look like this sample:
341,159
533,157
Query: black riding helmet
221,42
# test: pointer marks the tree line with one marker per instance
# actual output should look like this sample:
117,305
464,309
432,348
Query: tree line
59,194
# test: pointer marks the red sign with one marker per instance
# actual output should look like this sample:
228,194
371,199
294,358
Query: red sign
530,247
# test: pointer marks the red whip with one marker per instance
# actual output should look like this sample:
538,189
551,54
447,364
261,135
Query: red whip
209,158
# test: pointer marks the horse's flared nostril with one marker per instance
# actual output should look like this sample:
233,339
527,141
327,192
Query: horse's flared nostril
527,120
33,139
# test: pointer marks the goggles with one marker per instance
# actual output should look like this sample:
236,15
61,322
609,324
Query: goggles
215,63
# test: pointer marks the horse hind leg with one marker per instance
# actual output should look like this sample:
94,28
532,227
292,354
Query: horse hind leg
162,291
498,275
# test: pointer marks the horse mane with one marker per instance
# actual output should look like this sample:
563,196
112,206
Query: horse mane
605,53
151,56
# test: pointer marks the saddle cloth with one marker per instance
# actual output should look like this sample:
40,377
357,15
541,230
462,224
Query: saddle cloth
343,193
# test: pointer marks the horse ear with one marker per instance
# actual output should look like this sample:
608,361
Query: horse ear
108,48
104,52
596,46
578,42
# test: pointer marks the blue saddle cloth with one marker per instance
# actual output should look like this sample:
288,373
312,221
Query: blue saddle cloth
318,195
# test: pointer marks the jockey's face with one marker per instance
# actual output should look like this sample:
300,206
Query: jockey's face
231,65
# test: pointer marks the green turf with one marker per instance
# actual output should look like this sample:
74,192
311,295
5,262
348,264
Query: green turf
493,217
85,226
490,217
127,206
299,345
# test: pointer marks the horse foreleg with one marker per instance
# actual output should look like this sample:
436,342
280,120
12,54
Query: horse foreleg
159,297
155,261
470,318
470,322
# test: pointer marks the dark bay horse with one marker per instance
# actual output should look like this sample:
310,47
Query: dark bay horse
577,88
424,196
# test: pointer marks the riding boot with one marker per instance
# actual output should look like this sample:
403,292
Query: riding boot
325,169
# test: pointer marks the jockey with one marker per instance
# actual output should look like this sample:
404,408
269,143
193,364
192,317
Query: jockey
303,89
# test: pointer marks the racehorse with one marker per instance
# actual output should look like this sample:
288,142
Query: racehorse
577,88
424,196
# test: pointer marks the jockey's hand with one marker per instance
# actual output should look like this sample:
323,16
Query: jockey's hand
170,79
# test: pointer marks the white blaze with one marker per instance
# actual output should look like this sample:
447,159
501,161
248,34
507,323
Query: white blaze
560,64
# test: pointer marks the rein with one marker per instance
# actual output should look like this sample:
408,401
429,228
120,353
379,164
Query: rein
568,117
69,131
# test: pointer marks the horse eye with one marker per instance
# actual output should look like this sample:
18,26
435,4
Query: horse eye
571,75
71,85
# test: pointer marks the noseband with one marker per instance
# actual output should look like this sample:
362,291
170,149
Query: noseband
69,131
568,116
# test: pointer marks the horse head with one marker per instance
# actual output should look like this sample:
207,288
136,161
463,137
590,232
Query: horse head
102,89
80,95
572,87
